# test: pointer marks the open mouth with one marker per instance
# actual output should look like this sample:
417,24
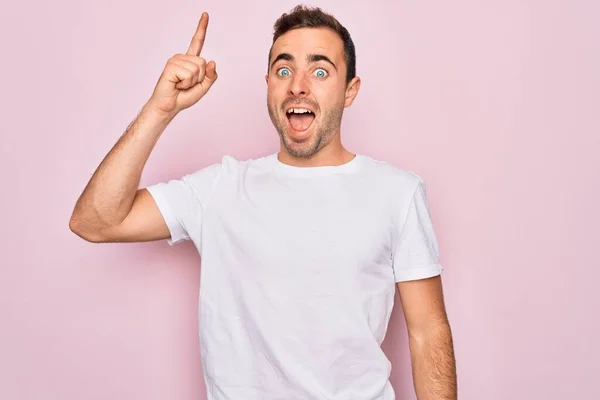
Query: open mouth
300,118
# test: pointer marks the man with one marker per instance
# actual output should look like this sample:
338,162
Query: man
301,250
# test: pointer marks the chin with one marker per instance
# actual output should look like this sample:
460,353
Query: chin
304,146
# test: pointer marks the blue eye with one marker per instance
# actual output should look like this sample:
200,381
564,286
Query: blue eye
283,72
321,73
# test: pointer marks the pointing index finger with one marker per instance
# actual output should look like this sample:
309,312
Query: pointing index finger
198,39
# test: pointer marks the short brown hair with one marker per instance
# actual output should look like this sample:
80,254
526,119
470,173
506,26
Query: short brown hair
307,17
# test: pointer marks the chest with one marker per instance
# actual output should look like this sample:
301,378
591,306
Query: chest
305,231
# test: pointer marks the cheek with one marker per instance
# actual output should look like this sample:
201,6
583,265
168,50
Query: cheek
328,99
276,86
273,95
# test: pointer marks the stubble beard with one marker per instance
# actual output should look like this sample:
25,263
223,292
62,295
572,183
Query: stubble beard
330,124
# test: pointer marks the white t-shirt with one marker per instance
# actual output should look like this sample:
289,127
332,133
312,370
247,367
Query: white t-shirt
298,272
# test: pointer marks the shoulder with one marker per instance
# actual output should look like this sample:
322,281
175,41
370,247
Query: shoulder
229,167
400,179
232,164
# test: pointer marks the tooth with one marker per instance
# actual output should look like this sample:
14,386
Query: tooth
298,111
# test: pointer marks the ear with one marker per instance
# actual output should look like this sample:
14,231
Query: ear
267,78
352,91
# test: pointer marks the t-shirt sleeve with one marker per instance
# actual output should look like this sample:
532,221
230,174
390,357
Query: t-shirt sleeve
416,253
182,202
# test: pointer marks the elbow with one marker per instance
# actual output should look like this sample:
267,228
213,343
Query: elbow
432,331
86,233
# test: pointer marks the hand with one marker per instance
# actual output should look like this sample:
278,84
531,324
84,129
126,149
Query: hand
186,77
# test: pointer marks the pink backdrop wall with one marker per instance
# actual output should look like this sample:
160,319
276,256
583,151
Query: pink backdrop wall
496,104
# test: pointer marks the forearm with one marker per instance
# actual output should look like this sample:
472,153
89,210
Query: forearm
433,364
109,195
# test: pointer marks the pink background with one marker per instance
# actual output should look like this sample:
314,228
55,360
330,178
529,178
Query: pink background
495,103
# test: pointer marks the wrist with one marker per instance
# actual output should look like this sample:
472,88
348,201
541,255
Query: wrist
156,114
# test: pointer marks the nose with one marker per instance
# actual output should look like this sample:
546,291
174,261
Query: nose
299,85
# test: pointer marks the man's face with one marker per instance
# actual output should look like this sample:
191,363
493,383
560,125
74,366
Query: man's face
306,89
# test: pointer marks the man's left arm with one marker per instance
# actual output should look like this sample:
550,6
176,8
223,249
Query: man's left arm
430,339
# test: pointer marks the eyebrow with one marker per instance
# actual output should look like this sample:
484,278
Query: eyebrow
311,58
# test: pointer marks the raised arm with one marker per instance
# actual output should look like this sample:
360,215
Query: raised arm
112,208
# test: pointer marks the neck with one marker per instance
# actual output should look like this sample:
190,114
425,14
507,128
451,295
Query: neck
331,154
